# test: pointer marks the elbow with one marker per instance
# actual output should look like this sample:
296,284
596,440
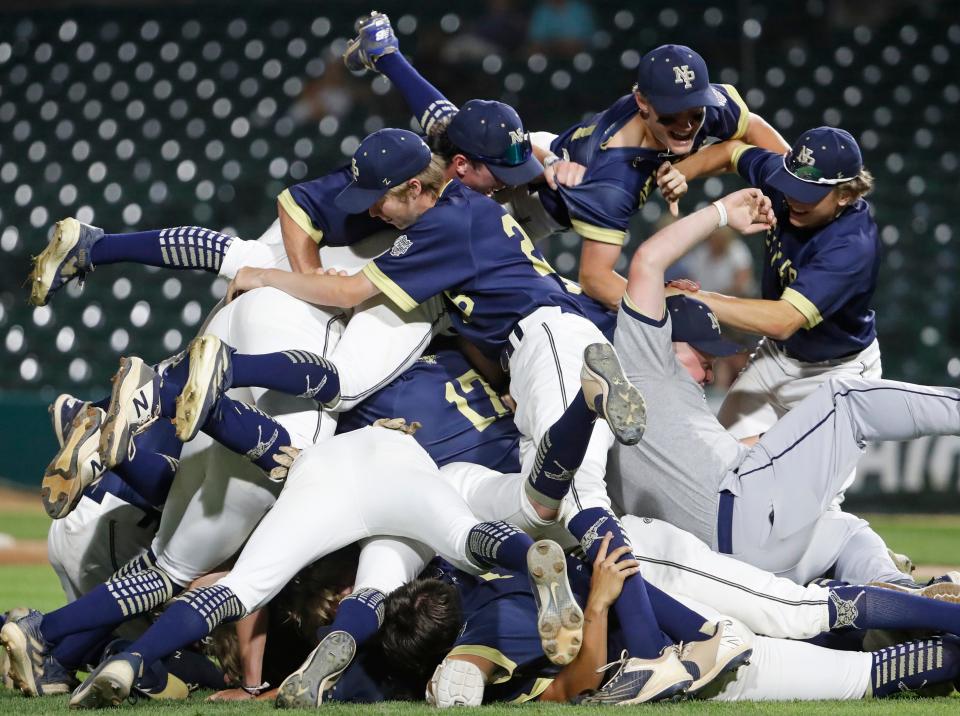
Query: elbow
783,330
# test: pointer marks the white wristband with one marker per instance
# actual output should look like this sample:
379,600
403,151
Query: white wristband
722,210
550,161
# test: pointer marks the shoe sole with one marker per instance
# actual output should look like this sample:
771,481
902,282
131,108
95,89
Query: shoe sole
45,266
624,408
304,688
559,618
63,483
117,431
14,641
108,685
738,659
56,411
206,372
943,591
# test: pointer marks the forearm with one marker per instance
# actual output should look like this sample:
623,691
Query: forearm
777,319
582,673
709,161
319,289
302,251
607,288
252,640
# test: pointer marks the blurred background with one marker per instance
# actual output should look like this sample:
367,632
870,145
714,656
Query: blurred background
136,114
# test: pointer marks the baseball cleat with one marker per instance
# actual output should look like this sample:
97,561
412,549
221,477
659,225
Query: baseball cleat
75,467
901,561
609,393
33,669
727,650
638,681
455,683
109,684
559,618
62,412
939,588
65,258
375,38
306,687
209,378
134,404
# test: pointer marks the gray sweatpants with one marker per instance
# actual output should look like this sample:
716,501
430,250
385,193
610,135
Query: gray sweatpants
790,477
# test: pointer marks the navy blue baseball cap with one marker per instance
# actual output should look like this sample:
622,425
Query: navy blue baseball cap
693,322
383,160
817,162
491,132
674,78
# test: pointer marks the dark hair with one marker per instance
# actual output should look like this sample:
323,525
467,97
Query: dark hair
441,146
421,622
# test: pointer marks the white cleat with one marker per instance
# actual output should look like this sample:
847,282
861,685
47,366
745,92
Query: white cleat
456,683
306,687
639,681
727,650
559,617
109,684
134,405
608,393
210,375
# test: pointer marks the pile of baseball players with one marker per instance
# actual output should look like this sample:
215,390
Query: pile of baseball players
510,484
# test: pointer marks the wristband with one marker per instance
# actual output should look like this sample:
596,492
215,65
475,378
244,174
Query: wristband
550,161
256,690
723,213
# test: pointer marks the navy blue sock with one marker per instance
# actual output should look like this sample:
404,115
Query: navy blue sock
110,603
641,630
173,378
914,664
294,372
499,544
879,608
75,651
182,247
678,621
359,614
425,101
247,431
103,403
154,464
190,618
560,453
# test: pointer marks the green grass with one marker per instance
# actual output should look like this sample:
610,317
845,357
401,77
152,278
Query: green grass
927,539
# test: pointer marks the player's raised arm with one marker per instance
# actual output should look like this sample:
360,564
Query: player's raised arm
760,133
748,211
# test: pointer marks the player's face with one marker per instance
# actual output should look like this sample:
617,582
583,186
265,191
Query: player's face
809,216
399,212
478,177
698,365
676,131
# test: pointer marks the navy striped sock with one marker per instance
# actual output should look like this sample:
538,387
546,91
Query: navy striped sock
560,453
499,544
294,372
181,247
914,665
359,614
247,431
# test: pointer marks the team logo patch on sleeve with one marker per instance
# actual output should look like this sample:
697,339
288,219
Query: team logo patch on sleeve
401,245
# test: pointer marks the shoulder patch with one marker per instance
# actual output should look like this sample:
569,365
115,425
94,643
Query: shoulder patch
401,245
721,97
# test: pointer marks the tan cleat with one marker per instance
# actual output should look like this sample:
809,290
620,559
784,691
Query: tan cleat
559,617
65,258
640,681
109,684
134,405
609,394
209,377
728,649
77,465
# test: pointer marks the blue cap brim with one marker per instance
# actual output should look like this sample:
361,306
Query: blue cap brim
518,175
671,105
355,200
805,192
717,347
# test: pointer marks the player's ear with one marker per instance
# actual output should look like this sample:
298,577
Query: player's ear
414,189
460,165
642,103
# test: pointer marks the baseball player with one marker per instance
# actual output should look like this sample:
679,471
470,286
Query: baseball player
761,503
625,149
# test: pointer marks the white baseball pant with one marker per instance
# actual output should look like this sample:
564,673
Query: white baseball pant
369,482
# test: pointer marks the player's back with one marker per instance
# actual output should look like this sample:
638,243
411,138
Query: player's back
462,417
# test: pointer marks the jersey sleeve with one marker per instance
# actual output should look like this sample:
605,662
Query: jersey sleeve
730,119
424,261
841,269
755,165
600,210
644,344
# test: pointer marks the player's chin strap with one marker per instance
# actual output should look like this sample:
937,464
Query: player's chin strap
398,424
455,683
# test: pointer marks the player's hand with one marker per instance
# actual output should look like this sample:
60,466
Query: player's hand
564,173
680,286
246,279
230,695
672,184
609,574
329,272
749,211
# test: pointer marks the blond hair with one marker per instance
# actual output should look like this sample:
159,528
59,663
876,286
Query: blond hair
859,186
431,180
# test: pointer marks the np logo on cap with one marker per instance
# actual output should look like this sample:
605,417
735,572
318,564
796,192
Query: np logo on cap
819,160
692,321
491,132
674,78
383,160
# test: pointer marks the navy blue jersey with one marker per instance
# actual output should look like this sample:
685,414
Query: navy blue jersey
463,418
468,248
595,311
110,483
828,273
618,180
311,206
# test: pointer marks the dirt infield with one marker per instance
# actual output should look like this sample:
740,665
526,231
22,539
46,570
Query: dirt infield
20,551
